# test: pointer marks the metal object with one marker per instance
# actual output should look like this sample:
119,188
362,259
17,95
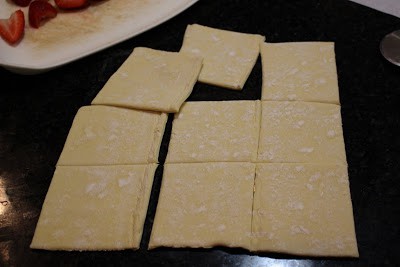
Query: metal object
390,47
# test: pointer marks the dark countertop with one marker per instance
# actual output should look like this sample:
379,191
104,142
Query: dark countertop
36,113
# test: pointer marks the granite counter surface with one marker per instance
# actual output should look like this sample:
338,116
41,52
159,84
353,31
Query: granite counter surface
36,112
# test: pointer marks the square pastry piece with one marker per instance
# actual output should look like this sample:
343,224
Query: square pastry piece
303,209
151,80
103,135
304,71
228,57
301,132
95,208
215,131
204,205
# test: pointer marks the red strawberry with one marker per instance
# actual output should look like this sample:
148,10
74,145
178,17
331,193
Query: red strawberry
12,29
40,10
22,3
71,4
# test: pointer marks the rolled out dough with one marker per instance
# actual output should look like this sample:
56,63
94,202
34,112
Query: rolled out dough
103,135
294,131
228,56
215,131
151,80
95,208
303,209
204,205
301,71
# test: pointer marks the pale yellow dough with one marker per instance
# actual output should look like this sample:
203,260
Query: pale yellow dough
304,71
215,131
95,208
103,135
295,131
228,56
151,80
303,209
204,205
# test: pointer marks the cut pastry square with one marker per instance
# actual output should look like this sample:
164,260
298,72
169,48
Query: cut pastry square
303,209
294,131
215,131
204,205
104,135
95,208
228,56
151,80
301,71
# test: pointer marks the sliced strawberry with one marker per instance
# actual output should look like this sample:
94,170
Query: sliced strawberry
39,11
12,29
71,4
22,3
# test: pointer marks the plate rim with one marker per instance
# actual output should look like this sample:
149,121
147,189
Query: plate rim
21,68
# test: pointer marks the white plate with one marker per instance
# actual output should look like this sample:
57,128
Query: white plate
73,35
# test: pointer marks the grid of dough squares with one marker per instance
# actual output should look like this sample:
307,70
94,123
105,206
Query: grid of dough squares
99,193
110,155
228,161
265,175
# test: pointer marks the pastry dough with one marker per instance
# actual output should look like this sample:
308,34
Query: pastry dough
215,131
303,71
204,205
102,135
151,80
228,57
303,209
301,132
95,208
